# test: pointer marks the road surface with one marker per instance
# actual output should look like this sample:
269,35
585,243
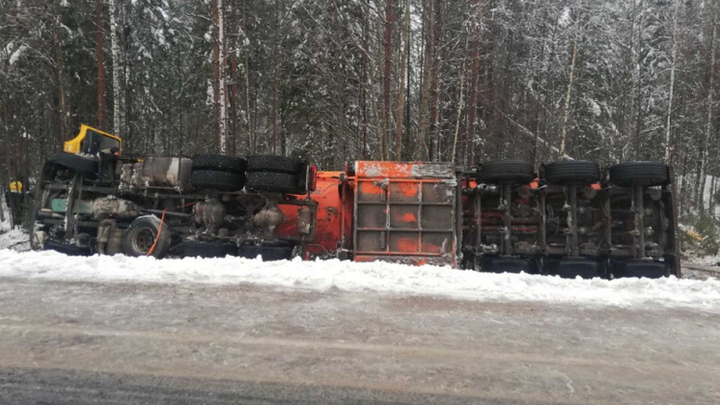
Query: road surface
76,343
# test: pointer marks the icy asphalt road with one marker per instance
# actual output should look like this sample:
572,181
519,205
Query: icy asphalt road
106,343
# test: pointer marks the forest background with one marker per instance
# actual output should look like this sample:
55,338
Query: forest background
468,81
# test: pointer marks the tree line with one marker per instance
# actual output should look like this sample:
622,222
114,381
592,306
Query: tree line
467,81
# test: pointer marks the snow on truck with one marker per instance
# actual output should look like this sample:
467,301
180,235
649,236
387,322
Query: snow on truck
569,218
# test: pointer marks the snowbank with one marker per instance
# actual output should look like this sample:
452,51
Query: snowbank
379,277
710,261
15,239
6,223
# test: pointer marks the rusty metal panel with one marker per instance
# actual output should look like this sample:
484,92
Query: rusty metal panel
404,216
406,212
404,170
164,172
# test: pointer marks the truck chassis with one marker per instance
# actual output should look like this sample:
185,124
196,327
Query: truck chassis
569,218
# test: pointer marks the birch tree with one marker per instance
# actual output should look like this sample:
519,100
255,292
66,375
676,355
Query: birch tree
709,105
671,91
116,60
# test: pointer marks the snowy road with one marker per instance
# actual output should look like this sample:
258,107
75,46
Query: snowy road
121,342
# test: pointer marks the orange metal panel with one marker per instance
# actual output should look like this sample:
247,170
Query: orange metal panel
333,223
406,212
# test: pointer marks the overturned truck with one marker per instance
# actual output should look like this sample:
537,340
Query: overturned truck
569,218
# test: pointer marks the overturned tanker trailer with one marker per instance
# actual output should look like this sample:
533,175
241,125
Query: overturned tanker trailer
570,218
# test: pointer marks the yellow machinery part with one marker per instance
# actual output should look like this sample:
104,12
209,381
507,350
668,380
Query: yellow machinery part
694,235
74,145
16,187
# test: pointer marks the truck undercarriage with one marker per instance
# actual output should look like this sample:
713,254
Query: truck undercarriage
162,206
569,218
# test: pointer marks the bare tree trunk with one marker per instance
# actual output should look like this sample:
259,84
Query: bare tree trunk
568,94
638,91
711,201
459,109
246,45
364,79
709,121
400,108
233,96
435,81
472,103
221,79
100,52
673,57
276,51
533,136
387,46
127,89
115,47
216,70
421,151
59,76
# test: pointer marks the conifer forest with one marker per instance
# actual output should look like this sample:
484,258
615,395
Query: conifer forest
333,81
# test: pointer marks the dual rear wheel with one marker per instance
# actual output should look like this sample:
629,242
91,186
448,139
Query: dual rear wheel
257,173
574,172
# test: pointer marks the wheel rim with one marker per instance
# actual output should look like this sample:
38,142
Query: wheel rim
143,241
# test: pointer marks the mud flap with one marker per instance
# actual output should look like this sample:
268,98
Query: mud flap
70,250
640,268
506,264
572,268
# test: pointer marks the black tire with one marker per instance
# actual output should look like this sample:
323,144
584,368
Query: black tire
640,269
141,235
207,249
506,172
212,179
272,163
278,182
80,164
571,172
232,164
639,174
572,268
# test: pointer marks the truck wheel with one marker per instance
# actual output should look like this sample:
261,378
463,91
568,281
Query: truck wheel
639,174
212,179
80,164
221,163
506,171
141,235
269,181
571,172
272,163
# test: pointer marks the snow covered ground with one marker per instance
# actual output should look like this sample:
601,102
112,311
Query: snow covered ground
15,239
376,277
349,276
5,223
711,261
